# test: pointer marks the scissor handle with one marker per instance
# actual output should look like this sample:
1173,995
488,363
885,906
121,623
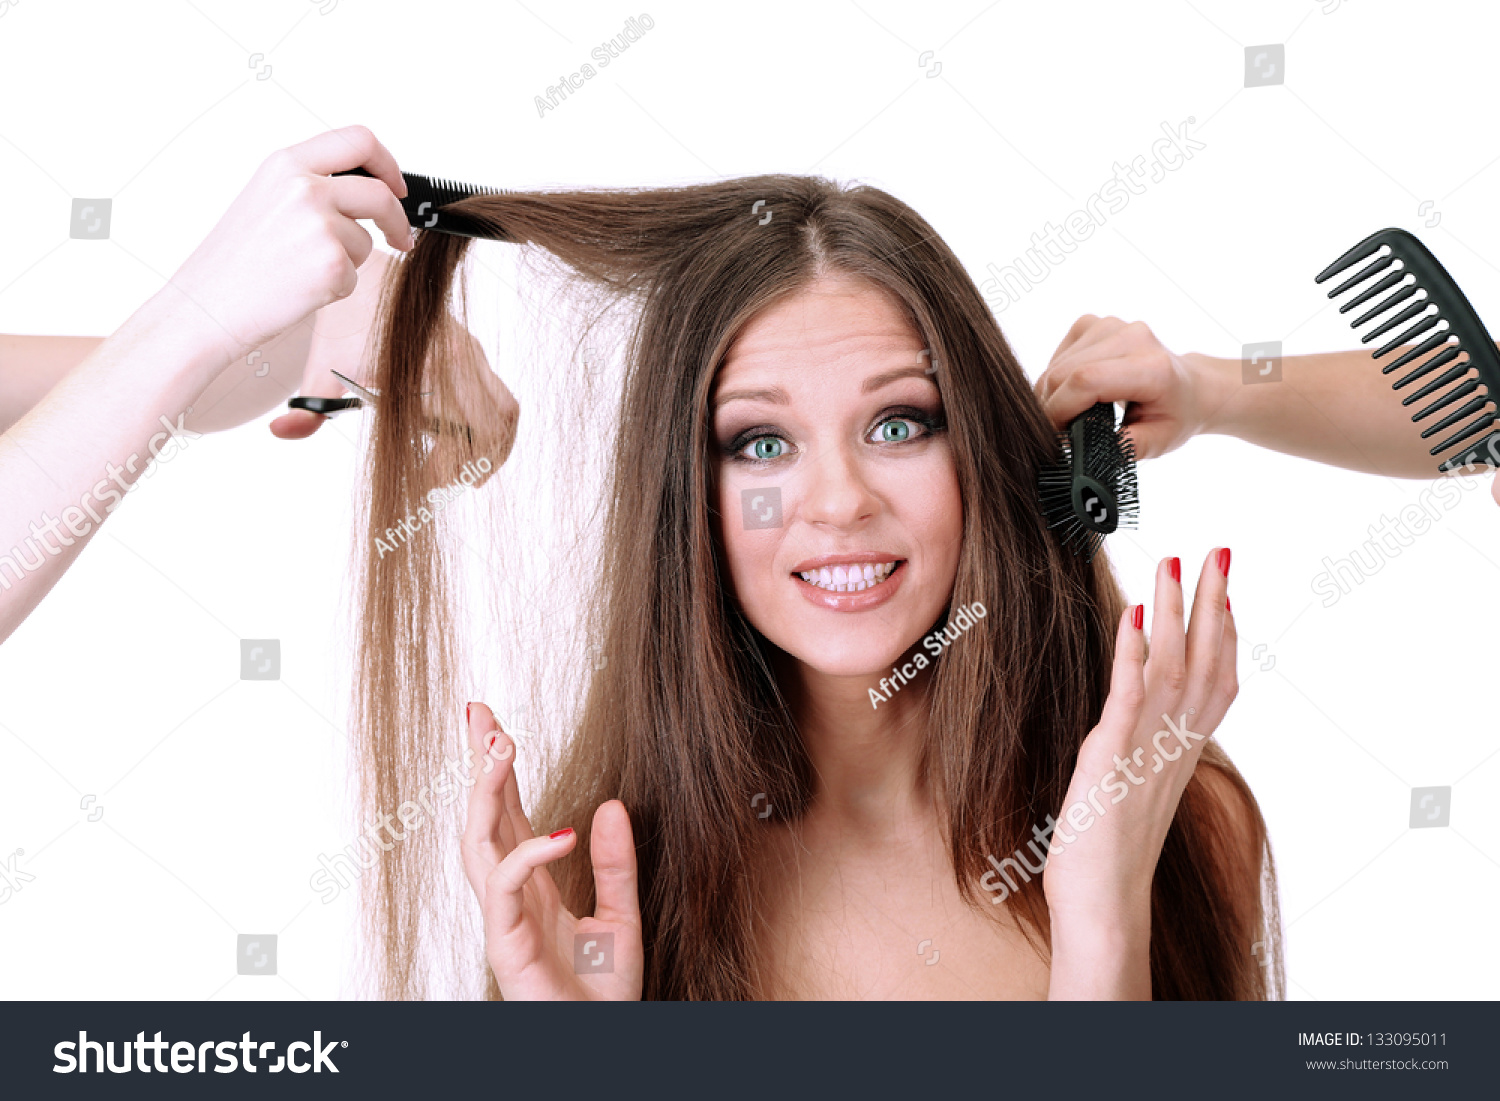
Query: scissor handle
324,407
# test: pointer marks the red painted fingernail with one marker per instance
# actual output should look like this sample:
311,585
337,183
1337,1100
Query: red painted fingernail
1224,561
490,744
559,833
1175,565
1228,607
1140,616
468,712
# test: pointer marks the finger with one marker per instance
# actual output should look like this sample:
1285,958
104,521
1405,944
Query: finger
612,851
503,904
1227,685
1495,489
519,823
297,424
346,148
496,753
1166,669
358,244
1205,634
483,845
1127,686
1081,383
375,197
517,826
1081,326
1150,436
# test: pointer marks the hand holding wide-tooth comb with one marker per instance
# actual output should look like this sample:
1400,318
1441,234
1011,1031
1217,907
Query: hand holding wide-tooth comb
1424,303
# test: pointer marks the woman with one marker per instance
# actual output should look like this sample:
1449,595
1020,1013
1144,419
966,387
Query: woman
784,802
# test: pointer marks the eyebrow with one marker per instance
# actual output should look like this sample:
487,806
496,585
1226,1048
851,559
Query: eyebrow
777,396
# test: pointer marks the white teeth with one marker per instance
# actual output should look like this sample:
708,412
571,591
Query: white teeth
851,579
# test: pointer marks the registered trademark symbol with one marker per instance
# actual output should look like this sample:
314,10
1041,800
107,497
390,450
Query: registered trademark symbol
343,1043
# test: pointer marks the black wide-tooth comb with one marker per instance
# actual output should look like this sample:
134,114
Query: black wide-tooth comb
424,195
1435,303
1092,491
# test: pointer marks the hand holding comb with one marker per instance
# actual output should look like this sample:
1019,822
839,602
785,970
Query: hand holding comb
1438,311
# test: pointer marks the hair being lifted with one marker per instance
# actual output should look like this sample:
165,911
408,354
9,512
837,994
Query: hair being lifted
682,718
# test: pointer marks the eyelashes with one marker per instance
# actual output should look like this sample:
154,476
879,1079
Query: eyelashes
930,424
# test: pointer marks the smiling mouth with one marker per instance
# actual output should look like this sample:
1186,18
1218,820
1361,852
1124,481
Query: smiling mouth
853,578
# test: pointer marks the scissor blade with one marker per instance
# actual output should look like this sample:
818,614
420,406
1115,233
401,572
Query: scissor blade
369,395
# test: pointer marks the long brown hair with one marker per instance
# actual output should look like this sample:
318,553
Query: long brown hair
681,716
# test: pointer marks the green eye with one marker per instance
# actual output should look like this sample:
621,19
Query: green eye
768,447
894,431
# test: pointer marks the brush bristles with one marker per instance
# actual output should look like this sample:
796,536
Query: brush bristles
1109,460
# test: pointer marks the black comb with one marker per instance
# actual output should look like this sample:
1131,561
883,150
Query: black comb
1452,328
1092,491
424,197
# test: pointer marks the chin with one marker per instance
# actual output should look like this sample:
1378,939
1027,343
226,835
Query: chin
863,657
845,634
864,646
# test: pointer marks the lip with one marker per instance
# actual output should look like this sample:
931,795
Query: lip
851,602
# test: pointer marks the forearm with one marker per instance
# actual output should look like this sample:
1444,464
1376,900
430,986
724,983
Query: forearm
32,365
1336,408
1097,959
66,465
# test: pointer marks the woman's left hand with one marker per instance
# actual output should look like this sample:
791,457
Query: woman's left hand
1134,766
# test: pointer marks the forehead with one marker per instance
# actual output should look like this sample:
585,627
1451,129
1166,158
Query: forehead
836,318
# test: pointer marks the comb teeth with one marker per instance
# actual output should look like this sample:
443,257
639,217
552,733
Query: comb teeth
426,194
448,190
1439,304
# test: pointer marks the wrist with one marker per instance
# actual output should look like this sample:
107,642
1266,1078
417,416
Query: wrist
187,342
1101,956
1215,382
1102,930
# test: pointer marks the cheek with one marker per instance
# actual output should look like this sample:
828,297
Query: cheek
749,532
934,515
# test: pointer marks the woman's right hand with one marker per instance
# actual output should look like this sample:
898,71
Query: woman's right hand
537,949
290,243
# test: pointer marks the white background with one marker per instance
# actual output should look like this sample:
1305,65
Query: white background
219,794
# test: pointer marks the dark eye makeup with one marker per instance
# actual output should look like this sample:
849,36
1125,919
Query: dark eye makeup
931,423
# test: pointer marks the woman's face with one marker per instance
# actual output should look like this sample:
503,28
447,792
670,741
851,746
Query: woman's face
839,505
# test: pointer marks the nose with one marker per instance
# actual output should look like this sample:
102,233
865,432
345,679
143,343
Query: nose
835,492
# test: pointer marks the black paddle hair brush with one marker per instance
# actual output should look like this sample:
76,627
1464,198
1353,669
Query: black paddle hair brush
1092,491
1437,304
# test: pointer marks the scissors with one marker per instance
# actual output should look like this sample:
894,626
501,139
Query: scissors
330,407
